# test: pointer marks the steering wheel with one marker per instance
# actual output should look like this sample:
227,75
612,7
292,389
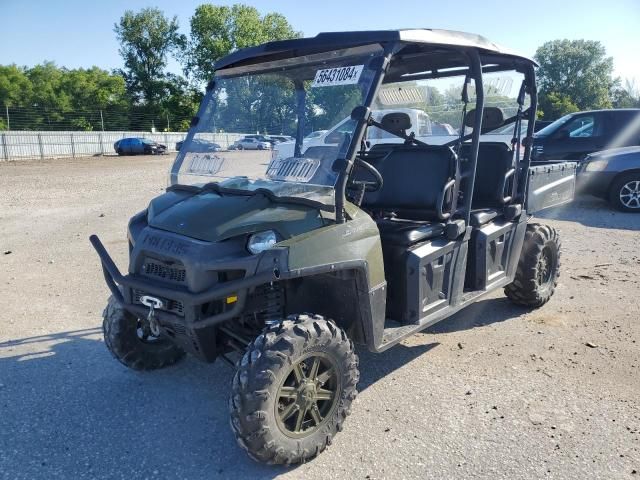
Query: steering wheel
366,185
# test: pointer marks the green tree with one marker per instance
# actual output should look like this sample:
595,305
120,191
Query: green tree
555,105
146,39
219,30
627,96
15,86
574,73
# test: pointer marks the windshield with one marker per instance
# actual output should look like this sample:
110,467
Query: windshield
292,97
549,129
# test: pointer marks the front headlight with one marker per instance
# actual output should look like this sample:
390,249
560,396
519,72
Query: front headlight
596,165
259,242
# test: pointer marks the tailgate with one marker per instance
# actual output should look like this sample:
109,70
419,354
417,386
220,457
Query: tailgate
550,185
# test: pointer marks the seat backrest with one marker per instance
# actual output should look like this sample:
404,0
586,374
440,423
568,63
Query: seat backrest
414,181
494,161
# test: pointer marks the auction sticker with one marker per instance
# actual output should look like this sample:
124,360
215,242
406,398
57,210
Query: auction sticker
337,76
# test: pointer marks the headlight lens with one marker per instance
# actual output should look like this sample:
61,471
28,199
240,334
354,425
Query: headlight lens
259,242
596,165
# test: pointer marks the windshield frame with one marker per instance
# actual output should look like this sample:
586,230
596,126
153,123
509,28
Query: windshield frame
370,53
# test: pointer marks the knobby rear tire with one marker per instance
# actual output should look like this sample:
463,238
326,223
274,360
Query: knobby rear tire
528,288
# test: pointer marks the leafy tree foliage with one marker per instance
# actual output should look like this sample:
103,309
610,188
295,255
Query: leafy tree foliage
47,96
219,30
574,74
627,96
146,39
15,86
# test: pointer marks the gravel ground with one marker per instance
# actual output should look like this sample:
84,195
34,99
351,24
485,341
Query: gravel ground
494,392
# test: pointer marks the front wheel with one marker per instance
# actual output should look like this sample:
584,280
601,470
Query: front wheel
132,344
293,390
624,194
538,268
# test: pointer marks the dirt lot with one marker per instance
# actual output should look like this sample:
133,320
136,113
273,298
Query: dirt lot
495,392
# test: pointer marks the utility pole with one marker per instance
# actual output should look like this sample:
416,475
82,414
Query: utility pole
7,110
168,128
102,120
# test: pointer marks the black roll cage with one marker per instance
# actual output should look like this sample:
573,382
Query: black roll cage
478,64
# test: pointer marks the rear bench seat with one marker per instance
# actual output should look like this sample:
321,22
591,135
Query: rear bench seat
493,173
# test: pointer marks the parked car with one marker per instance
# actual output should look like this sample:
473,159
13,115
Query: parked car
250,143
613,175
540,124
200,145
316,134
263,138
420,122
282,138
576,135
138,146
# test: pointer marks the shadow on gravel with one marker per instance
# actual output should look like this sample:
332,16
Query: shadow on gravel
375,366
593,212
479,314
69,410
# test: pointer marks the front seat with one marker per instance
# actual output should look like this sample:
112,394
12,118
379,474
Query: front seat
418,193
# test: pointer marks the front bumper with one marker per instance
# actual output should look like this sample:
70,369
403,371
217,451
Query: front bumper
594,183
269,269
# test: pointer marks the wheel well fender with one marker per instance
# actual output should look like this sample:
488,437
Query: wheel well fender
341,294
619,175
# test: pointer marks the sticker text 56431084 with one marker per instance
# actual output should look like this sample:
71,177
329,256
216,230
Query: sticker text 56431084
337,76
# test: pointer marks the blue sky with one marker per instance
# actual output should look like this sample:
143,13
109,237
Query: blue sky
77,33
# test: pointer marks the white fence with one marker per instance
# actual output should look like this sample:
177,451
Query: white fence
25,145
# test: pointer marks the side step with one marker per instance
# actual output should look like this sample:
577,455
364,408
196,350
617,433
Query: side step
394,332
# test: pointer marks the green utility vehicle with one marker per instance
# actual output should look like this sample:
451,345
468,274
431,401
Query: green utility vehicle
290,260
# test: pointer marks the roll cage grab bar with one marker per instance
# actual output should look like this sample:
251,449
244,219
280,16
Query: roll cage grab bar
474,71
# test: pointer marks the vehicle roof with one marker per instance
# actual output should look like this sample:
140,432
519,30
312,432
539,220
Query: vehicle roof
334,40
607,110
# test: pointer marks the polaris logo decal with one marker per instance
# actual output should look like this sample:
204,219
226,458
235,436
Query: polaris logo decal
165,244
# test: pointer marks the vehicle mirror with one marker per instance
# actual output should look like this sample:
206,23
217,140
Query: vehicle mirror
360,113
492,118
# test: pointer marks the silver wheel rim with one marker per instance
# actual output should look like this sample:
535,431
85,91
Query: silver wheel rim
630,194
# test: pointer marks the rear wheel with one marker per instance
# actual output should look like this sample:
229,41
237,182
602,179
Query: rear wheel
624,194
130,341
293,390
538,268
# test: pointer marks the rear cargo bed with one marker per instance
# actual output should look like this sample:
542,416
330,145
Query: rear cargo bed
550,184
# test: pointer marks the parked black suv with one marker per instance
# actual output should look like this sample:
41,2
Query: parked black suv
576,135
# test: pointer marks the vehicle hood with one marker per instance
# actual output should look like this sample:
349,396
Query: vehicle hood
617,152
213,217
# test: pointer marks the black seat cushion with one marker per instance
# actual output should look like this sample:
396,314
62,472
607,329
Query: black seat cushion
494,161
482,216
403,232
414,178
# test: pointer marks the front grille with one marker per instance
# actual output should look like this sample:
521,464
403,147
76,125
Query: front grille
170,273
172,306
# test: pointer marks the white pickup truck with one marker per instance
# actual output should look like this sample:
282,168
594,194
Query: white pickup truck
420,121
